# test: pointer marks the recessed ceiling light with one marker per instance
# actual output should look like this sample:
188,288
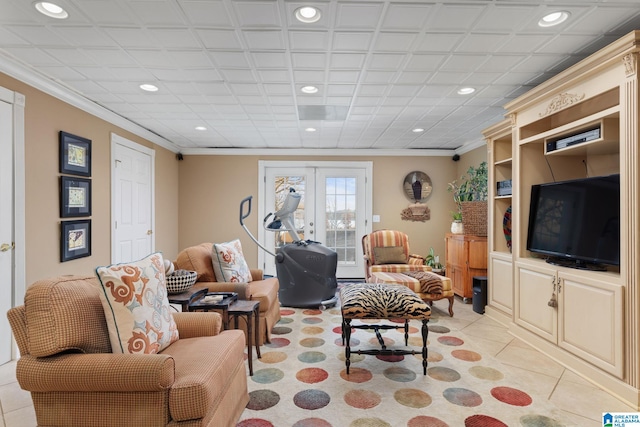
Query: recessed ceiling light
417,130
149,87
307,14
466,90
51,10
201,128
310,129
309,89
554,18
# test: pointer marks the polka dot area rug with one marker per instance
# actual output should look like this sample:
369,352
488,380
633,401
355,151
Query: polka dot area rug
301,380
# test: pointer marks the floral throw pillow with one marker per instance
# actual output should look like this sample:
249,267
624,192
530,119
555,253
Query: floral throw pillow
136,306
229,264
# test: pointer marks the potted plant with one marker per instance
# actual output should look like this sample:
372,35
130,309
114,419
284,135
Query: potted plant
433,261
470,194
456,223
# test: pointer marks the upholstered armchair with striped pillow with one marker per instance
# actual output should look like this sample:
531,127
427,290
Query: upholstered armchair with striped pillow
389,260
388,251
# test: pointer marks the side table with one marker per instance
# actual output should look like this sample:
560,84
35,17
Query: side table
248,310
187,297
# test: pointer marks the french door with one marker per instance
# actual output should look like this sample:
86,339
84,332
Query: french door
334,209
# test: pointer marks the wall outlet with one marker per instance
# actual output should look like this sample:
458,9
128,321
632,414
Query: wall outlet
376,218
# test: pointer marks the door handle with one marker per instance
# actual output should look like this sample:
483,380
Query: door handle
149,232
6,247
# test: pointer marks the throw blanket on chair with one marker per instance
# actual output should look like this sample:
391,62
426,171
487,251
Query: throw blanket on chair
430,283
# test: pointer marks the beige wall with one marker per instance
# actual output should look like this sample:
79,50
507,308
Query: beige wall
211,188
45,116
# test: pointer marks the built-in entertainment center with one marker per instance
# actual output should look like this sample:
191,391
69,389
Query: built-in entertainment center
564,242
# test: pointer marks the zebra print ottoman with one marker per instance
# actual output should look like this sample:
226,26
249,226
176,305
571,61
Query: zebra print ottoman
382,301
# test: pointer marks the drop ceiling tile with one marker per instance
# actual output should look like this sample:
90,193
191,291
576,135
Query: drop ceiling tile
274,76
358,16
351,41
307,60
463,62
505,17
264,40
454,17
386,61
238,76
34,56
306,77
219,39
211,13
412,77
173,38
39,36
425,62
107,12
308,40
109,57
343,76
394,42
269,59
229,59
438,42
476,42
257,14
381,77
154,12
567,43
406,16
347,60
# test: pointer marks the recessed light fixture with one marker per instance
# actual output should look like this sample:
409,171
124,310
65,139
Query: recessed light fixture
149,87
307,14
310,129
201,128
51,10
417,130
466,91
309,89
554,18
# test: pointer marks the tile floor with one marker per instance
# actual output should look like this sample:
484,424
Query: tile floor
580,400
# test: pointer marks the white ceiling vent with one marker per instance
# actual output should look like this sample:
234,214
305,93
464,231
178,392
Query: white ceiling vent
322,112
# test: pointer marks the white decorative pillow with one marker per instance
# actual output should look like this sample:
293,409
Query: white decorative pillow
136,306
229,264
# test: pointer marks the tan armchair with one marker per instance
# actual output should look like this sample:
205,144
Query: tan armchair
388,260
75,380
198,258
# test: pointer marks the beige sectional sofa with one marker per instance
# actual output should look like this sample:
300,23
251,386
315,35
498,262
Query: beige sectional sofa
198,258
76,381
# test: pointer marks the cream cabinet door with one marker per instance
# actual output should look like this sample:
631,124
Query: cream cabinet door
501,283
591,320
534,289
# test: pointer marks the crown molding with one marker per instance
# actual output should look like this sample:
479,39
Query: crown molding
27,75
327,152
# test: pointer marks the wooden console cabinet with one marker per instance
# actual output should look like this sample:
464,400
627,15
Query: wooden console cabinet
466,258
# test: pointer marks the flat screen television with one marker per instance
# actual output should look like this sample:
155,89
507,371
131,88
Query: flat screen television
576,223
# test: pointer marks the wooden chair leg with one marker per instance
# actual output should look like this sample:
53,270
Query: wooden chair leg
450,306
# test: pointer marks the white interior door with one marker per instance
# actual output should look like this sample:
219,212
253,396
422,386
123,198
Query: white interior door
133,201
6,227
334,209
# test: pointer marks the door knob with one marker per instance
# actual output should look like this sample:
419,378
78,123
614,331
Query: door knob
149,232
6,246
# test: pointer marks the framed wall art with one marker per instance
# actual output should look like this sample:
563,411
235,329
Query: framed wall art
75,155
75,197
75,239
